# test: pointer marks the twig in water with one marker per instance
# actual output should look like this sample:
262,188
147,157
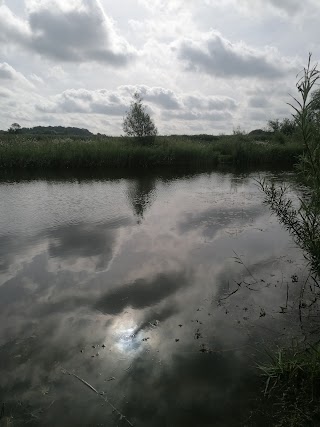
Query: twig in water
239,261
231,293
100,395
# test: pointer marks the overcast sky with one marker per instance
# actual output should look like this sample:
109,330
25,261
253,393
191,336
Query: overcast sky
202,66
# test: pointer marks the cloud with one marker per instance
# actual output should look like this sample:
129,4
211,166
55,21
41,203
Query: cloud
202,102
259,102
13,29
77,31
116,103
8,73
85,101
4,93
289,7
213,54
217,116
142,293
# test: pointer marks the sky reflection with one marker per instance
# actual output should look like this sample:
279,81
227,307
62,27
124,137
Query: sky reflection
138,308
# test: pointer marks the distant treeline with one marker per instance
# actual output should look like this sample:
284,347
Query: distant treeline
54,130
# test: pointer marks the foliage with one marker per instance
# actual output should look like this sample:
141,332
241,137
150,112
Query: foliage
303,220
292,379
55,131
286,126
137,122
14,128
116,152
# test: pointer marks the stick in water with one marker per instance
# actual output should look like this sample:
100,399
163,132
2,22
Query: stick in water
100,395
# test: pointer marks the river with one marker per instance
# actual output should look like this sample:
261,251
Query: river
159,290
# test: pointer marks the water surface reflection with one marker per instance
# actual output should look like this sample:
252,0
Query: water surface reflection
125,281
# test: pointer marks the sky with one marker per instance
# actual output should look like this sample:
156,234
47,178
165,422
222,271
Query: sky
201,66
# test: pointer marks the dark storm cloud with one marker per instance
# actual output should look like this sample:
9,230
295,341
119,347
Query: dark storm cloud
142,293
217,56
79,33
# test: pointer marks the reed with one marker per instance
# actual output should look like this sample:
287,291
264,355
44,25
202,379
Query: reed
19,151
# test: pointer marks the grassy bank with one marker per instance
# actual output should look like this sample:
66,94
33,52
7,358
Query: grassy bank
19,151
292,386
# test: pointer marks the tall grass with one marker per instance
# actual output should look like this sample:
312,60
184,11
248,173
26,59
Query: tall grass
294,376
41,152
292,384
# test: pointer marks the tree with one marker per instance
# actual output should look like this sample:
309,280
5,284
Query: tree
286,126
137,122
14,128
315,107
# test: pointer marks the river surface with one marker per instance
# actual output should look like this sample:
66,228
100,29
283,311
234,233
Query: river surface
158,290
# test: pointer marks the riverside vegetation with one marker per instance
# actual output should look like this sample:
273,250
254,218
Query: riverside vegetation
293,374
22,151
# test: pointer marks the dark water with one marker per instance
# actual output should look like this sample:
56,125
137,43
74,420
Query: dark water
124,281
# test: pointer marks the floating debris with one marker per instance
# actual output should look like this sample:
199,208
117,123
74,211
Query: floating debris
154,324
197,335
180,326
177,339
103,346
204,349
262,312
111,379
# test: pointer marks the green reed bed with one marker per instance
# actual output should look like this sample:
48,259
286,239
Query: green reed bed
43,152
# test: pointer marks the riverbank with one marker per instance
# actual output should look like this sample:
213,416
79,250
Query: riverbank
19,151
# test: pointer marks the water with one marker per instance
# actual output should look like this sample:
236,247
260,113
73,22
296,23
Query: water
127,282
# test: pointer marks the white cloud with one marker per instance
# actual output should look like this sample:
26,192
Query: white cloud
13,29
213,54
9,75
117,102
74,31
